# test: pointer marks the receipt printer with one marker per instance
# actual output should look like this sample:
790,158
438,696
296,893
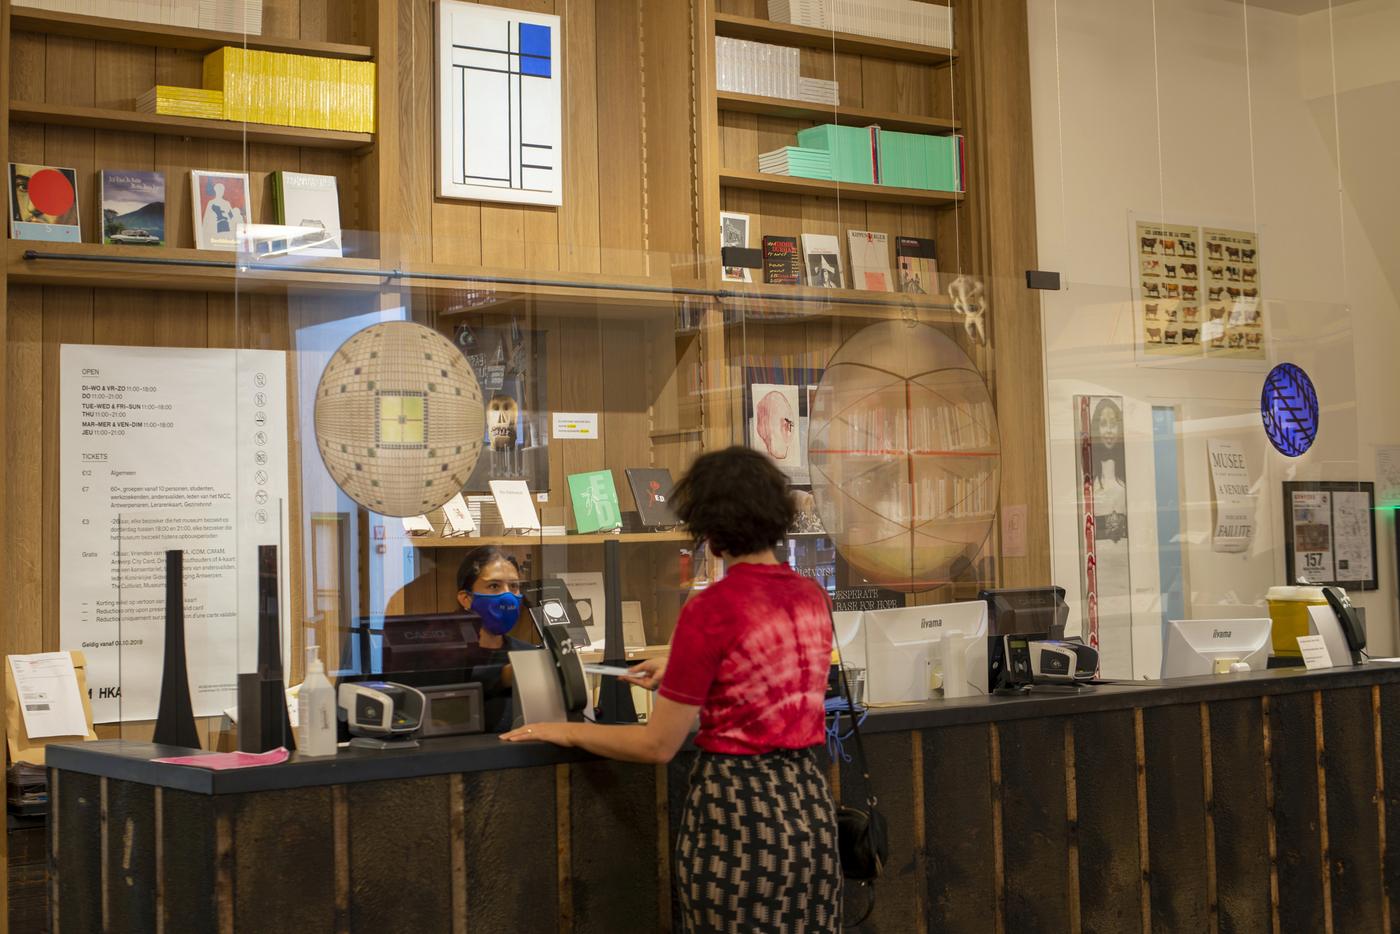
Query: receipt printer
1062,661
381,710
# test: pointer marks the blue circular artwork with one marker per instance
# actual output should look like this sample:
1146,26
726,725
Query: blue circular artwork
1288,407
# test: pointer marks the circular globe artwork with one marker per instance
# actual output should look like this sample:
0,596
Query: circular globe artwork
905,456
399,419
1288,406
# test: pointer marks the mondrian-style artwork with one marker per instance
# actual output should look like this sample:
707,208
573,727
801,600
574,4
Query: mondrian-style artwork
499,122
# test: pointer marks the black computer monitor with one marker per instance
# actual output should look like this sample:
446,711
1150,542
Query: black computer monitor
1037,611
426,641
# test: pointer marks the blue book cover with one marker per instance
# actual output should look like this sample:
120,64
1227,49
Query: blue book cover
133,207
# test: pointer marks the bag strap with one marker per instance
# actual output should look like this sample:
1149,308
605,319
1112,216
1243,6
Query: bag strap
861,762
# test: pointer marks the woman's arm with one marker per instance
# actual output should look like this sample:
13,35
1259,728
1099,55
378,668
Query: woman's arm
657,741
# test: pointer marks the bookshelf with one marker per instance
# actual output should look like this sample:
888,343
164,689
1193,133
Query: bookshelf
821,188
763,30
130,121
549,541
734,102
78,26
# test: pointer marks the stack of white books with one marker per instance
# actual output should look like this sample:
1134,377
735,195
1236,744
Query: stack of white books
900,20
796,161
242,16
746,67
818,91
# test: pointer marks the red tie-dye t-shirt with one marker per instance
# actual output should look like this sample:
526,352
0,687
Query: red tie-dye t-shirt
753,650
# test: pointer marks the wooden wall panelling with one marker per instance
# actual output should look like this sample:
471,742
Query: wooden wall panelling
901,889
1035,824
1390,770
622,183
399,830
289,821
1176,818
76,826
612,835
576,384
1001,190
407,128
22,597
186,861
962,890
669,112
1354,847
1106,831
1241,815
129,856
1299,826
511,852
578,219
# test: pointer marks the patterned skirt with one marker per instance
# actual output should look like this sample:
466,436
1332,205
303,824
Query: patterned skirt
757,846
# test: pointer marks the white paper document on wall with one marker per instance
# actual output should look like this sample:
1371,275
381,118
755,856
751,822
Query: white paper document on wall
1234,502
1388,476
168,448
47,689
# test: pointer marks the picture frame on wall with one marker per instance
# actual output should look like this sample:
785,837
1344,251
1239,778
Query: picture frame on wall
1329,530
500,124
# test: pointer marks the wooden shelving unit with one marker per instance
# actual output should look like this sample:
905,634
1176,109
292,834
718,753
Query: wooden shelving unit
734,102
48,22
547,541
162,125
791,185
762,30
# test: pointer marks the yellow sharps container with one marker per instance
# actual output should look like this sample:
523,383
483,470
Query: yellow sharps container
1288,608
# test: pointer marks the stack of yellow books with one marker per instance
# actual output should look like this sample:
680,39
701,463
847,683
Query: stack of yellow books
182,102
292,90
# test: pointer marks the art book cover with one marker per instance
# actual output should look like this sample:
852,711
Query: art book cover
734,231
44,203
651,488
133,207
782,264
511,364
516,505
870,260
775,425
595,501
311,202
220,201
918,271
822,253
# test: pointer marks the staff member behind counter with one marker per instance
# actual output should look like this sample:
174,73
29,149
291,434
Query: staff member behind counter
488,586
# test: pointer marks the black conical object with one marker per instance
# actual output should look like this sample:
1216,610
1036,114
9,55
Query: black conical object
263,722
175,719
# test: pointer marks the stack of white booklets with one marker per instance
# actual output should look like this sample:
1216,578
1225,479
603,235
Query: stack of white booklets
794,160
241,16
818,91
746,67
900,20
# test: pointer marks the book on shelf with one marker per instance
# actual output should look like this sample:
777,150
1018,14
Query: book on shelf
594,496
651,490
822,256
734,232
457,518
919,160
870,260
782,264
515,505
133,207
44,203
283,89
182,102
311,204
797,162
917,267
746,67
899,20
818,91
853,150
221,204
241,16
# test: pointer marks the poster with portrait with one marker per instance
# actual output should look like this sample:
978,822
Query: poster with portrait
510,363
1105,578
1234,313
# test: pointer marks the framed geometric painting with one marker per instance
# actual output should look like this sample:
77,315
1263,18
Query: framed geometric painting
499,122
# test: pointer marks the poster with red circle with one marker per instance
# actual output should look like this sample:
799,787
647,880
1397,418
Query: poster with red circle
44,203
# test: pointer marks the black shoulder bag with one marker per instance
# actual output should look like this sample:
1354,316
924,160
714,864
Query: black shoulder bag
862,837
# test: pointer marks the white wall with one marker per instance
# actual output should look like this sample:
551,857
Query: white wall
1175,120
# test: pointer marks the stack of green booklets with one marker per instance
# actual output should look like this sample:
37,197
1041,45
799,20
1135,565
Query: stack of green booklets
798,161
912,160
852,150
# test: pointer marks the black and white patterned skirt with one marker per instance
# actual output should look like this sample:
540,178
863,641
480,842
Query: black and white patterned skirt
757,846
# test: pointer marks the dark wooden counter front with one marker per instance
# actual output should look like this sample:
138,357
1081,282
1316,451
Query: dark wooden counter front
1257,802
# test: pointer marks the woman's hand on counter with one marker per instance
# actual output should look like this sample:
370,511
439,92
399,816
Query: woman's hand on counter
647,674
556,733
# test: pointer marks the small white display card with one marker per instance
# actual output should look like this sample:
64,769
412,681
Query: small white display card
47,687
576,425
417,525
1315,653
516,507
459,517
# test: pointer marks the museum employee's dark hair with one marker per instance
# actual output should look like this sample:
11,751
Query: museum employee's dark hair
476,561
736,499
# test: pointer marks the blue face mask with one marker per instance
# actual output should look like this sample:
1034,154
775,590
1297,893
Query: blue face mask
498,611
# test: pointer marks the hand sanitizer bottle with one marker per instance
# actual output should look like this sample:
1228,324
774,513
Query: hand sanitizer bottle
316,722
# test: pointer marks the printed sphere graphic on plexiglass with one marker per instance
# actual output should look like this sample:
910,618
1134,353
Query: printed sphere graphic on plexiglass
905,456
399,419
1288,406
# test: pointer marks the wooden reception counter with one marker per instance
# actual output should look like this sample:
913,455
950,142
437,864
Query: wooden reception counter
1253,802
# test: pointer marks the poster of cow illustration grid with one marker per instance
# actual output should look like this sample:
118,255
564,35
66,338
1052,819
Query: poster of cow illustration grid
499,121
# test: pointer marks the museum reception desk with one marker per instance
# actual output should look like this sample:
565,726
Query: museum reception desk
1249,802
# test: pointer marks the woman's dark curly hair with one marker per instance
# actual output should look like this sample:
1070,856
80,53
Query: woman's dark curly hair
736,499
476,561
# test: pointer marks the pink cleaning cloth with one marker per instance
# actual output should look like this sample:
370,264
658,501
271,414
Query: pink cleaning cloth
219,761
